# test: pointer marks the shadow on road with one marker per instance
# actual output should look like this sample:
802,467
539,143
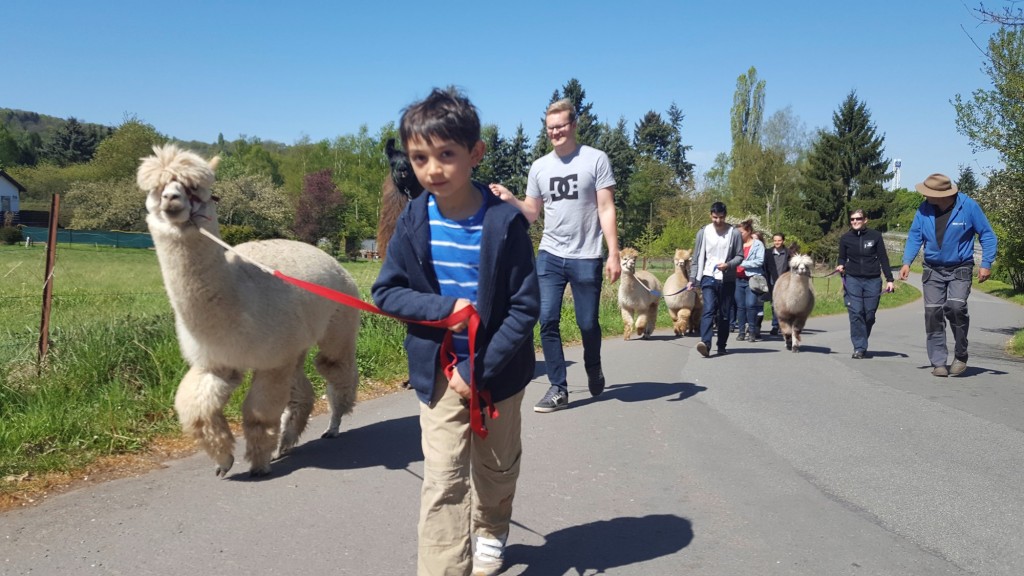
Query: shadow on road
641,392
392,444
599,546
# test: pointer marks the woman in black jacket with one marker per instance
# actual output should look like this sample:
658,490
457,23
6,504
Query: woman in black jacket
862,259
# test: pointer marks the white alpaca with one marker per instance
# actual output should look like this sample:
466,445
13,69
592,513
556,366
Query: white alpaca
793,299
232,317
639,293
684,306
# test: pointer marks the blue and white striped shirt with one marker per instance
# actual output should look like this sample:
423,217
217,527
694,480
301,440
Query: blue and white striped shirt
455,251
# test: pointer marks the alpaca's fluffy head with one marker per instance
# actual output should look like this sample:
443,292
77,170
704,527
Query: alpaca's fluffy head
177,183
627,258
801,264
682,261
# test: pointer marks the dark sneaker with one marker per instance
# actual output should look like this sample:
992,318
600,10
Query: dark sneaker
755,337
858,354
958,367
774,332
702,348
596,383
722,351
940,371
554,399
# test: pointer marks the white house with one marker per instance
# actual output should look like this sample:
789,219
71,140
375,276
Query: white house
9,193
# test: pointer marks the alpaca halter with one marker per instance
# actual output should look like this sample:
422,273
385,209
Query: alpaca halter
197,204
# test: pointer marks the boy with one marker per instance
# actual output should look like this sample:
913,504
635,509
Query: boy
456,246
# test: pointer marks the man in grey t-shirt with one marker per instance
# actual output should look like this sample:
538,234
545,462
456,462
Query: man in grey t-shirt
575,185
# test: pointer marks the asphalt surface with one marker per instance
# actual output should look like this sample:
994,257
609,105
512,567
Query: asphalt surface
758,462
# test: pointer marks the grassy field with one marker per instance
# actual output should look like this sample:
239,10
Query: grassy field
108,384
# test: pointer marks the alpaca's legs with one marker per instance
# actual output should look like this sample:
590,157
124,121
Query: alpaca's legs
336,362
261,416
681,321
200,401
296,414
651,317
627,323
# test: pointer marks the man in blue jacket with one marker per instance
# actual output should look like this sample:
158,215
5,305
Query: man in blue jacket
946,224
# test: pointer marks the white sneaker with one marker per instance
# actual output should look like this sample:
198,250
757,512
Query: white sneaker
489,555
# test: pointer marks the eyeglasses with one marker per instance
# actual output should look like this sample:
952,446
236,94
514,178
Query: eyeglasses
856,219
553,129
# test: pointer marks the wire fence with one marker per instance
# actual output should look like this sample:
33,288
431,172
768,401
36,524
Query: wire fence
95,284
114,238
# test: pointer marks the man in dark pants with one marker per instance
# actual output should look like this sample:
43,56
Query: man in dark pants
776,263
717,251
946,224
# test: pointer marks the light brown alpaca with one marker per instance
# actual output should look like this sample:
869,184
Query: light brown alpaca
684,306
639,294
793,299
232,317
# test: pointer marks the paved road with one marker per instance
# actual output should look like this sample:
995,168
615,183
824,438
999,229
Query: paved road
759,462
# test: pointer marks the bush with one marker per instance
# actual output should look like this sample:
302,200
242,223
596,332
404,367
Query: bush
11,235
236,235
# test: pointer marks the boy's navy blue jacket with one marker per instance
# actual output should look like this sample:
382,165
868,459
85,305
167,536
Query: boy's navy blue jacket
508,299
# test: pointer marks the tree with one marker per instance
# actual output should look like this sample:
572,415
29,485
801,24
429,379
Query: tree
847,163
118,156
677,150
253,201
106,205
10,151
993,119
966,181
318,212
615,143
71,144
653,137
747,109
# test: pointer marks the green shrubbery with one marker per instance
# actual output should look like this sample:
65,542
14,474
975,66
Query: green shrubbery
11,235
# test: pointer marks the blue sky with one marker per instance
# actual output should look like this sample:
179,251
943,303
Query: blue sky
284,70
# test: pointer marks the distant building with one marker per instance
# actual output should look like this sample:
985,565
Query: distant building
10,194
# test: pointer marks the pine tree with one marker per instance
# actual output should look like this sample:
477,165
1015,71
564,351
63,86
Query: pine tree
847,168
71,144
966,181
677,151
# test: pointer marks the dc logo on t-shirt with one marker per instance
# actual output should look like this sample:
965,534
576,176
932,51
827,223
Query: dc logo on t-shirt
564,188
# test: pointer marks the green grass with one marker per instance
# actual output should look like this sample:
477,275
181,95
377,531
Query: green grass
1005,291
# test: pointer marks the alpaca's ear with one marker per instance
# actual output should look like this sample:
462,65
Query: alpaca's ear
214,162
794,248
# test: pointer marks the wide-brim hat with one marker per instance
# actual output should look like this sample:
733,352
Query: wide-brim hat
937,186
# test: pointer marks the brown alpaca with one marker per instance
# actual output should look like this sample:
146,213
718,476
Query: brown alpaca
793,299
639,294
684,306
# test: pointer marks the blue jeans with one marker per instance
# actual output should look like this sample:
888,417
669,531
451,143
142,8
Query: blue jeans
862,296
717,297
584,276
746,308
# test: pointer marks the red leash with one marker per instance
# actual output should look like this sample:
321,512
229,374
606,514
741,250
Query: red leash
448,357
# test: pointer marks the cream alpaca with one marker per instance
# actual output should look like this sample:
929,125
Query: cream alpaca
639,294
231,318
684,306
793,299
